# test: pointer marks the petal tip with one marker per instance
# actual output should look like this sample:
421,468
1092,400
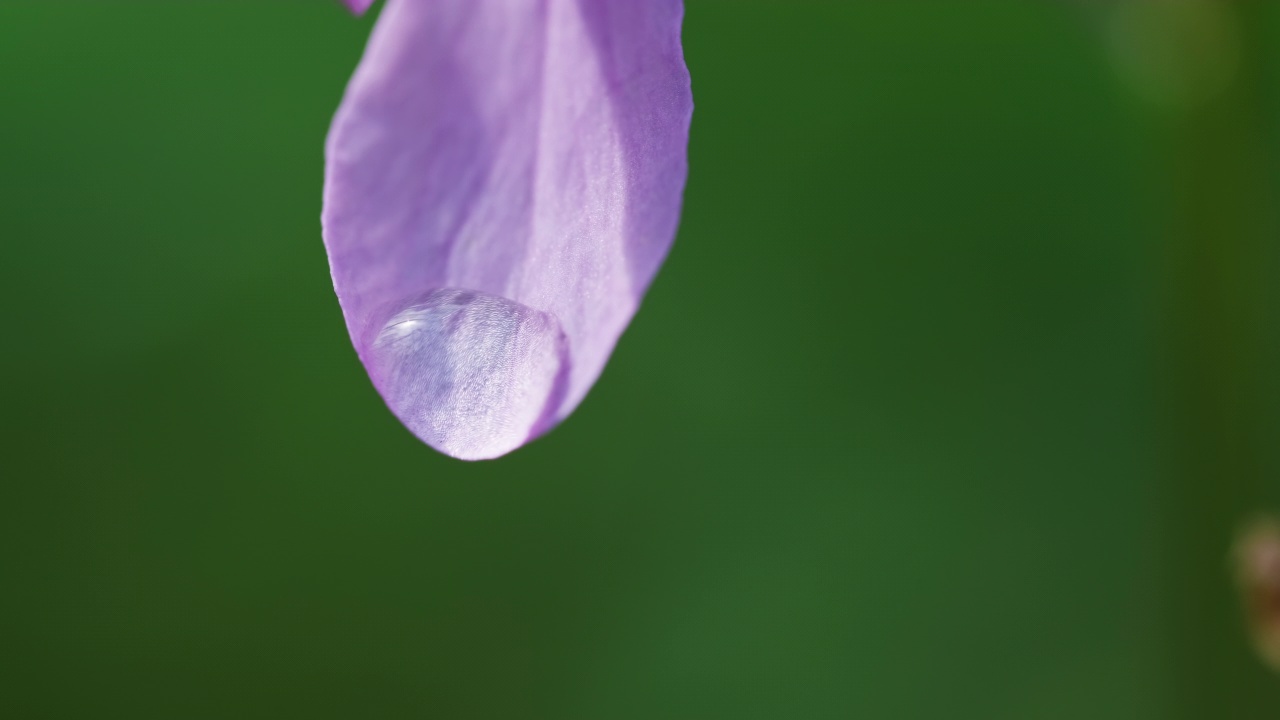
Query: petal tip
471,374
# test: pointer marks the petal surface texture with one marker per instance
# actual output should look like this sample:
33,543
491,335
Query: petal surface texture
503,180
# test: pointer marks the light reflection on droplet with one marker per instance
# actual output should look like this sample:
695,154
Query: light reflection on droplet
468,372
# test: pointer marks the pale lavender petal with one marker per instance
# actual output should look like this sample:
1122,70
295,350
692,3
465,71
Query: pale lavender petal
358,6
504,179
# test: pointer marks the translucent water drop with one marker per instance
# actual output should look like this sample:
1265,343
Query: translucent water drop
470,373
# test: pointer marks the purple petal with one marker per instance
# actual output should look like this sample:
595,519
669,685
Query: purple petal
358,6
504,179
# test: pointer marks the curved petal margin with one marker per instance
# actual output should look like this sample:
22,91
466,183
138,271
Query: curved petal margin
503,180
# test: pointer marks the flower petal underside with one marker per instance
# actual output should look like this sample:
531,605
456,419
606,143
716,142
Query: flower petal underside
503,180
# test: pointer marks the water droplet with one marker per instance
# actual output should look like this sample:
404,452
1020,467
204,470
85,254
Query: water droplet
470,373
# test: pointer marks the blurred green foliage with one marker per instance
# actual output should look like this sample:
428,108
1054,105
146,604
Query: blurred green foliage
888,439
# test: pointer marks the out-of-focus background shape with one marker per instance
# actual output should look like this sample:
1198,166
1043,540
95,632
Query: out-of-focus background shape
958,382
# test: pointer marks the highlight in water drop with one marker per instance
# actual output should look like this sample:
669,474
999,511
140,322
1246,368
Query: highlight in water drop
471,374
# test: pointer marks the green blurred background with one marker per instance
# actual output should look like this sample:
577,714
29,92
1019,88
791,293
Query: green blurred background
946,404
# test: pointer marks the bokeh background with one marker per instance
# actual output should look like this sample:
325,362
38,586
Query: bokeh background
947,403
